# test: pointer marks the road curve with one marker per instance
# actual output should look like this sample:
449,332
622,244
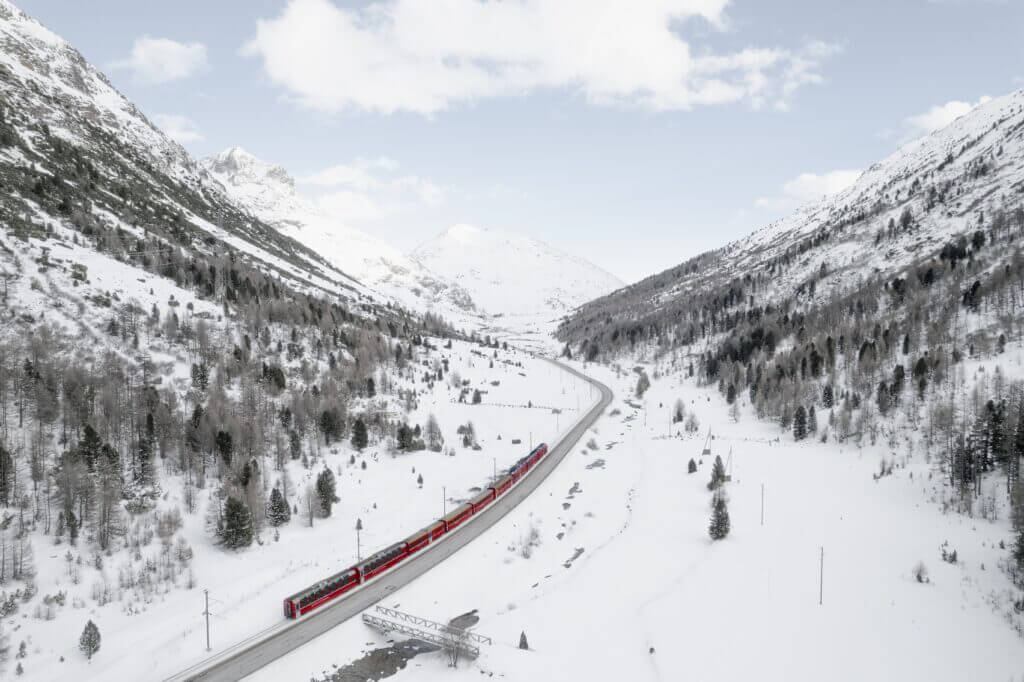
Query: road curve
250,655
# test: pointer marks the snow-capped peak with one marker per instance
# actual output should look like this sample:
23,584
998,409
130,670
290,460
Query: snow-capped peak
512,274
268,192
240,167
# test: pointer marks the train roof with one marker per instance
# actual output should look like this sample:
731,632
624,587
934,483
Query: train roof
458,511
321,583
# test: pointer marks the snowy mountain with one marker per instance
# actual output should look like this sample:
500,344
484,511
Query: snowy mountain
268,192
514,276
932,193
74,147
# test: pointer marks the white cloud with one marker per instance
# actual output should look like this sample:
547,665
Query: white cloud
179,128
808,187
159,60
370,189
357,174
425,57
355,207
940,116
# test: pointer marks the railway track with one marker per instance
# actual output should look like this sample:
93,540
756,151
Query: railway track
249,655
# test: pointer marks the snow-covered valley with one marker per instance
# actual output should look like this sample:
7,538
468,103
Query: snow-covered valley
625,584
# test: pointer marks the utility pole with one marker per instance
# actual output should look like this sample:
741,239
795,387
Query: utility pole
762,504
821,578
359,527
206,612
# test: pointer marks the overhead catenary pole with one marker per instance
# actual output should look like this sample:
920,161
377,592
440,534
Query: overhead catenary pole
206,612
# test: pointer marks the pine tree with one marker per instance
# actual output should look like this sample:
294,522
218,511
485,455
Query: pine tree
812,421
237,531
326,490
522,639
278,512
224,446
800,423
717,474
719,526
827,398
360,438
691,467
89,642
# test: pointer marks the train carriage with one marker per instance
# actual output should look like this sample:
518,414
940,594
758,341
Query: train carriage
321,593
502,485
482,500
383,560
421,538
457,517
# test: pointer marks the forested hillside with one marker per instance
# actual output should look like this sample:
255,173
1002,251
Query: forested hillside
879,315
162,352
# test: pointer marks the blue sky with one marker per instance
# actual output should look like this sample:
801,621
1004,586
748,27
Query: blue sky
635,134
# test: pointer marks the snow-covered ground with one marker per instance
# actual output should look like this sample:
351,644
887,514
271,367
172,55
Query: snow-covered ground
155,638
651,597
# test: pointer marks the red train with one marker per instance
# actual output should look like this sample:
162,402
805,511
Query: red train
338,584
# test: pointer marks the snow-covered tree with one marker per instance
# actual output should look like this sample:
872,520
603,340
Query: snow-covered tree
237,528
89,642
719,526
278,512
326,490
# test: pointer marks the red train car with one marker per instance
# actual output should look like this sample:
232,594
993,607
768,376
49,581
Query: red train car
321,593
482,500
457,517
382,561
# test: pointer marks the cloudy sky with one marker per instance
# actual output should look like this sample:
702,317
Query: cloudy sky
635,133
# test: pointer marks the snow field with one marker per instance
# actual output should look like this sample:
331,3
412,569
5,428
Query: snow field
744,608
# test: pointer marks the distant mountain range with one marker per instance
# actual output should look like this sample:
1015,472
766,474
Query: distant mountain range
463,271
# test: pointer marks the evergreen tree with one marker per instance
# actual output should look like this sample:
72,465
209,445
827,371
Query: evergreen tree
294,444
719,526
360,438
691,468
405,438
800,423
89,642
371,388
730,394
477,398
827,397
278,512
225,445
717,474
237,530
6,476
812,421
326,490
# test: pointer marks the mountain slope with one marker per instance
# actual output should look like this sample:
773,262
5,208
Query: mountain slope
268,192
900,211
513,275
